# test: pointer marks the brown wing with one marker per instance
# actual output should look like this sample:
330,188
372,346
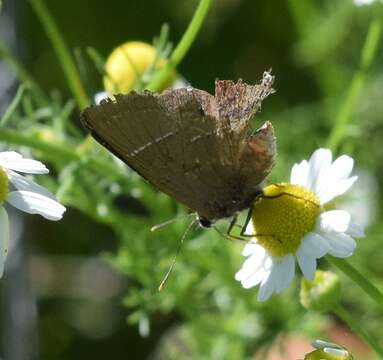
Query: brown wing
178,142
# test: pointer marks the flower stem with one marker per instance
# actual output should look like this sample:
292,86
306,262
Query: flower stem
368,53
358,278
21,73
354,325
183,46
13,106
62,52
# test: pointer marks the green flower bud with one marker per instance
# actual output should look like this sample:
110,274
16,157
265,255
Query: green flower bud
321,294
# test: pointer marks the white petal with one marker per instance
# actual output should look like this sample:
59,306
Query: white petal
251,266
355,230
256,268
255,263
334,220
299,173
251,247
335,189
313,246
345,184
278,273
34,203
4,238
10,155
268,263
267,287
286,273
255,278
334,179
16,162
319,163
341,168
341,245
22,183
308,265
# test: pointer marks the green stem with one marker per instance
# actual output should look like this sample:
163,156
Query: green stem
62,153
183,46
62,53
354,325
22,74
358,278
13,106
368,53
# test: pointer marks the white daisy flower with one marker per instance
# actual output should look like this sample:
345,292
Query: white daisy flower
290,223
23,194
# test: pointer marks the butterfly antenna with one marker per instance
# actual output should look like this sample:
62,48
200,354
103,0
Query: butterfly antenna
166,277
160,226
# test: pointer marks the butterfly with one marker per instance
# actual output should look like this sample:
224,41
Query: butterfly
198,148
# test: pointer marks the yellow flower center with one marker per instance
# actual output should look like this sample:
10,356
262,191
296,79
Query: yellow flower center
283,215
127,63
3,185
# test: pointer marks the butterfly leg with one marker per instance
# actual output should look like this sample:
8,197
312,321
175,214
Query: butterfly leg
248,218
228,235
287,194
233,223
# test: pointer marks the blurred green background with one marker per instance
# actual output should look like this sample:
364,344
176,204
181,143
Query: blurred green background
86,287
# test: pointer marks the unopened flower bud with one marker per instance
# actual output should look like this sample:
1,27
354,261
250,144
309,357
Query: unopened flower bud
328,351
127,64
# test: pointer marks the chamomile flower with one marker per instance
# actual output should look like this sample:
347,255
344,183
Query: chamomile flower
23,194
290,223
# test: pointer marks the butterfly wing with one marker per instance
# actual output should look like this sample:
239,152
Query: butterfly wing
178,141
